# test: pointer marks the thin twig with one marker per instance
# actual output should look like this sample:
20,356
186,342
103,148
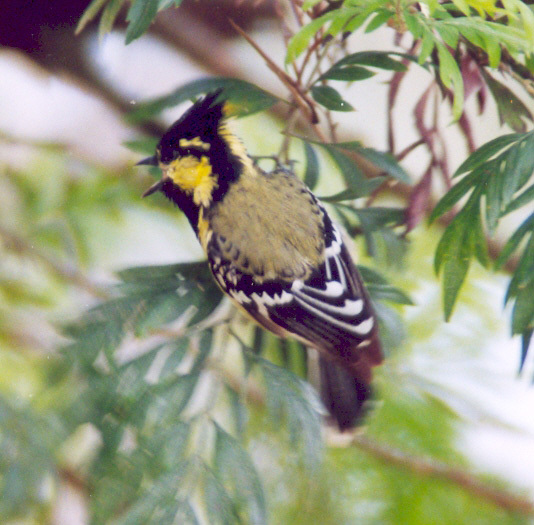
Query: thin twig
435,469
408,149
300,98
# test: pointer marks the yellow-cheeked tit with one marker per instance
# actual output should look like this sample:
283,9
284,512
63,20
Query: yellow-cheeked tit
273,249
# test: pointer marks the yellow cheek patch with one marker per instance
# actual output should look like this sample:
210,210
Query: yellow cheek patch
193,176
194,143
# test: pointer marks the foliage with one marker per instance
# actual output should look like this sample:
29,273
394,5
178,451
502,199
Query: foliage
177,387
497,178
143,400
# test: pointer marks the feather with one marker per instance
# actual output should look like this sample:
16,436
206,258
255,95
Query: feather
330,310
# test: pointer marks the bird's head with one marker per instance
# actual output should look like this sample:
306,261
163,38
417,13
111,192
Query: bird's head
198,156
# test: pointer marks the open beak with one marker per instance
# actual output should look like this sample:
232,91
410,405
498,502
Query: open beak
155,187
149,161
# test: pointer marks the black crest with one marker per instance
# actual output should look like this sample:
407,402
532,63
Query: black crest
201,120
204,120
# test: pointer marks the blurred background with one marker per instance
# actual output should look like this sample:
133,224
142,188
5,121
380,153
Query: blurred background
71,215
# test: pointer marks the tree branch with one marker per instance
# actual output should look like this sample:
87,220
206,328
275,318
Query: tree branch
435,469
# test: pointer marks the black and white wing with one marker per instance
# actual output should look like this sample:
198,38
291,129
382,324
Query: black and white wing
330,310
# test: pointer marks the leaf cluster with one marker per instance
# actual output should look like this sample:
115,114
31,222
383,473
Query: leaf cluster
140,15
495,181
439,29
161,458
159,454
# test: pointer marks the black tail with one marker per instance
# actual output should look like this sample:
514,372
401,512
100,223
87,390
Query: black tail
342,394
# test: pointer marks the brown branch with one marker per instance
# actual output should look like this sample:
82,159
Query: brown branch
299,97
427,468
394,85
393,456
23,247
408,149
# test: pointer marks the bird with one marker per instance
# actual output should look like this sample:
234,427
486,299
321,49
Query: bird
273,248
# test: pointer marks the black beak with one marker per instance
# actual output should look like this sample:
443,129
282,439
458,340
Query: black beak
154,188
149,161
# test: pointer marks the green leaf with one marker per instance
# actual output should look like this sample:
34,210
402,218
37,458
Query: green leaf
353,176
428,44
387,292
449,35
511,109
478,237
378,59
348,73
523,311
370,276
376,217
166,443
380,18
457,192
219,505
349,67
358,184
140,16
237,473
109,15
450,75
89,14
175,394
463,6
177,350
513,242
486,152
526,337
329,98
152,275
384,161
145,145
494,51
508,36
294,400
151,297
29,441
344,195
413,24
159,311
299,42
311,175
493,199
524,273
462,239
161,499
338,24
245,98
518,168
453,257
521,200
